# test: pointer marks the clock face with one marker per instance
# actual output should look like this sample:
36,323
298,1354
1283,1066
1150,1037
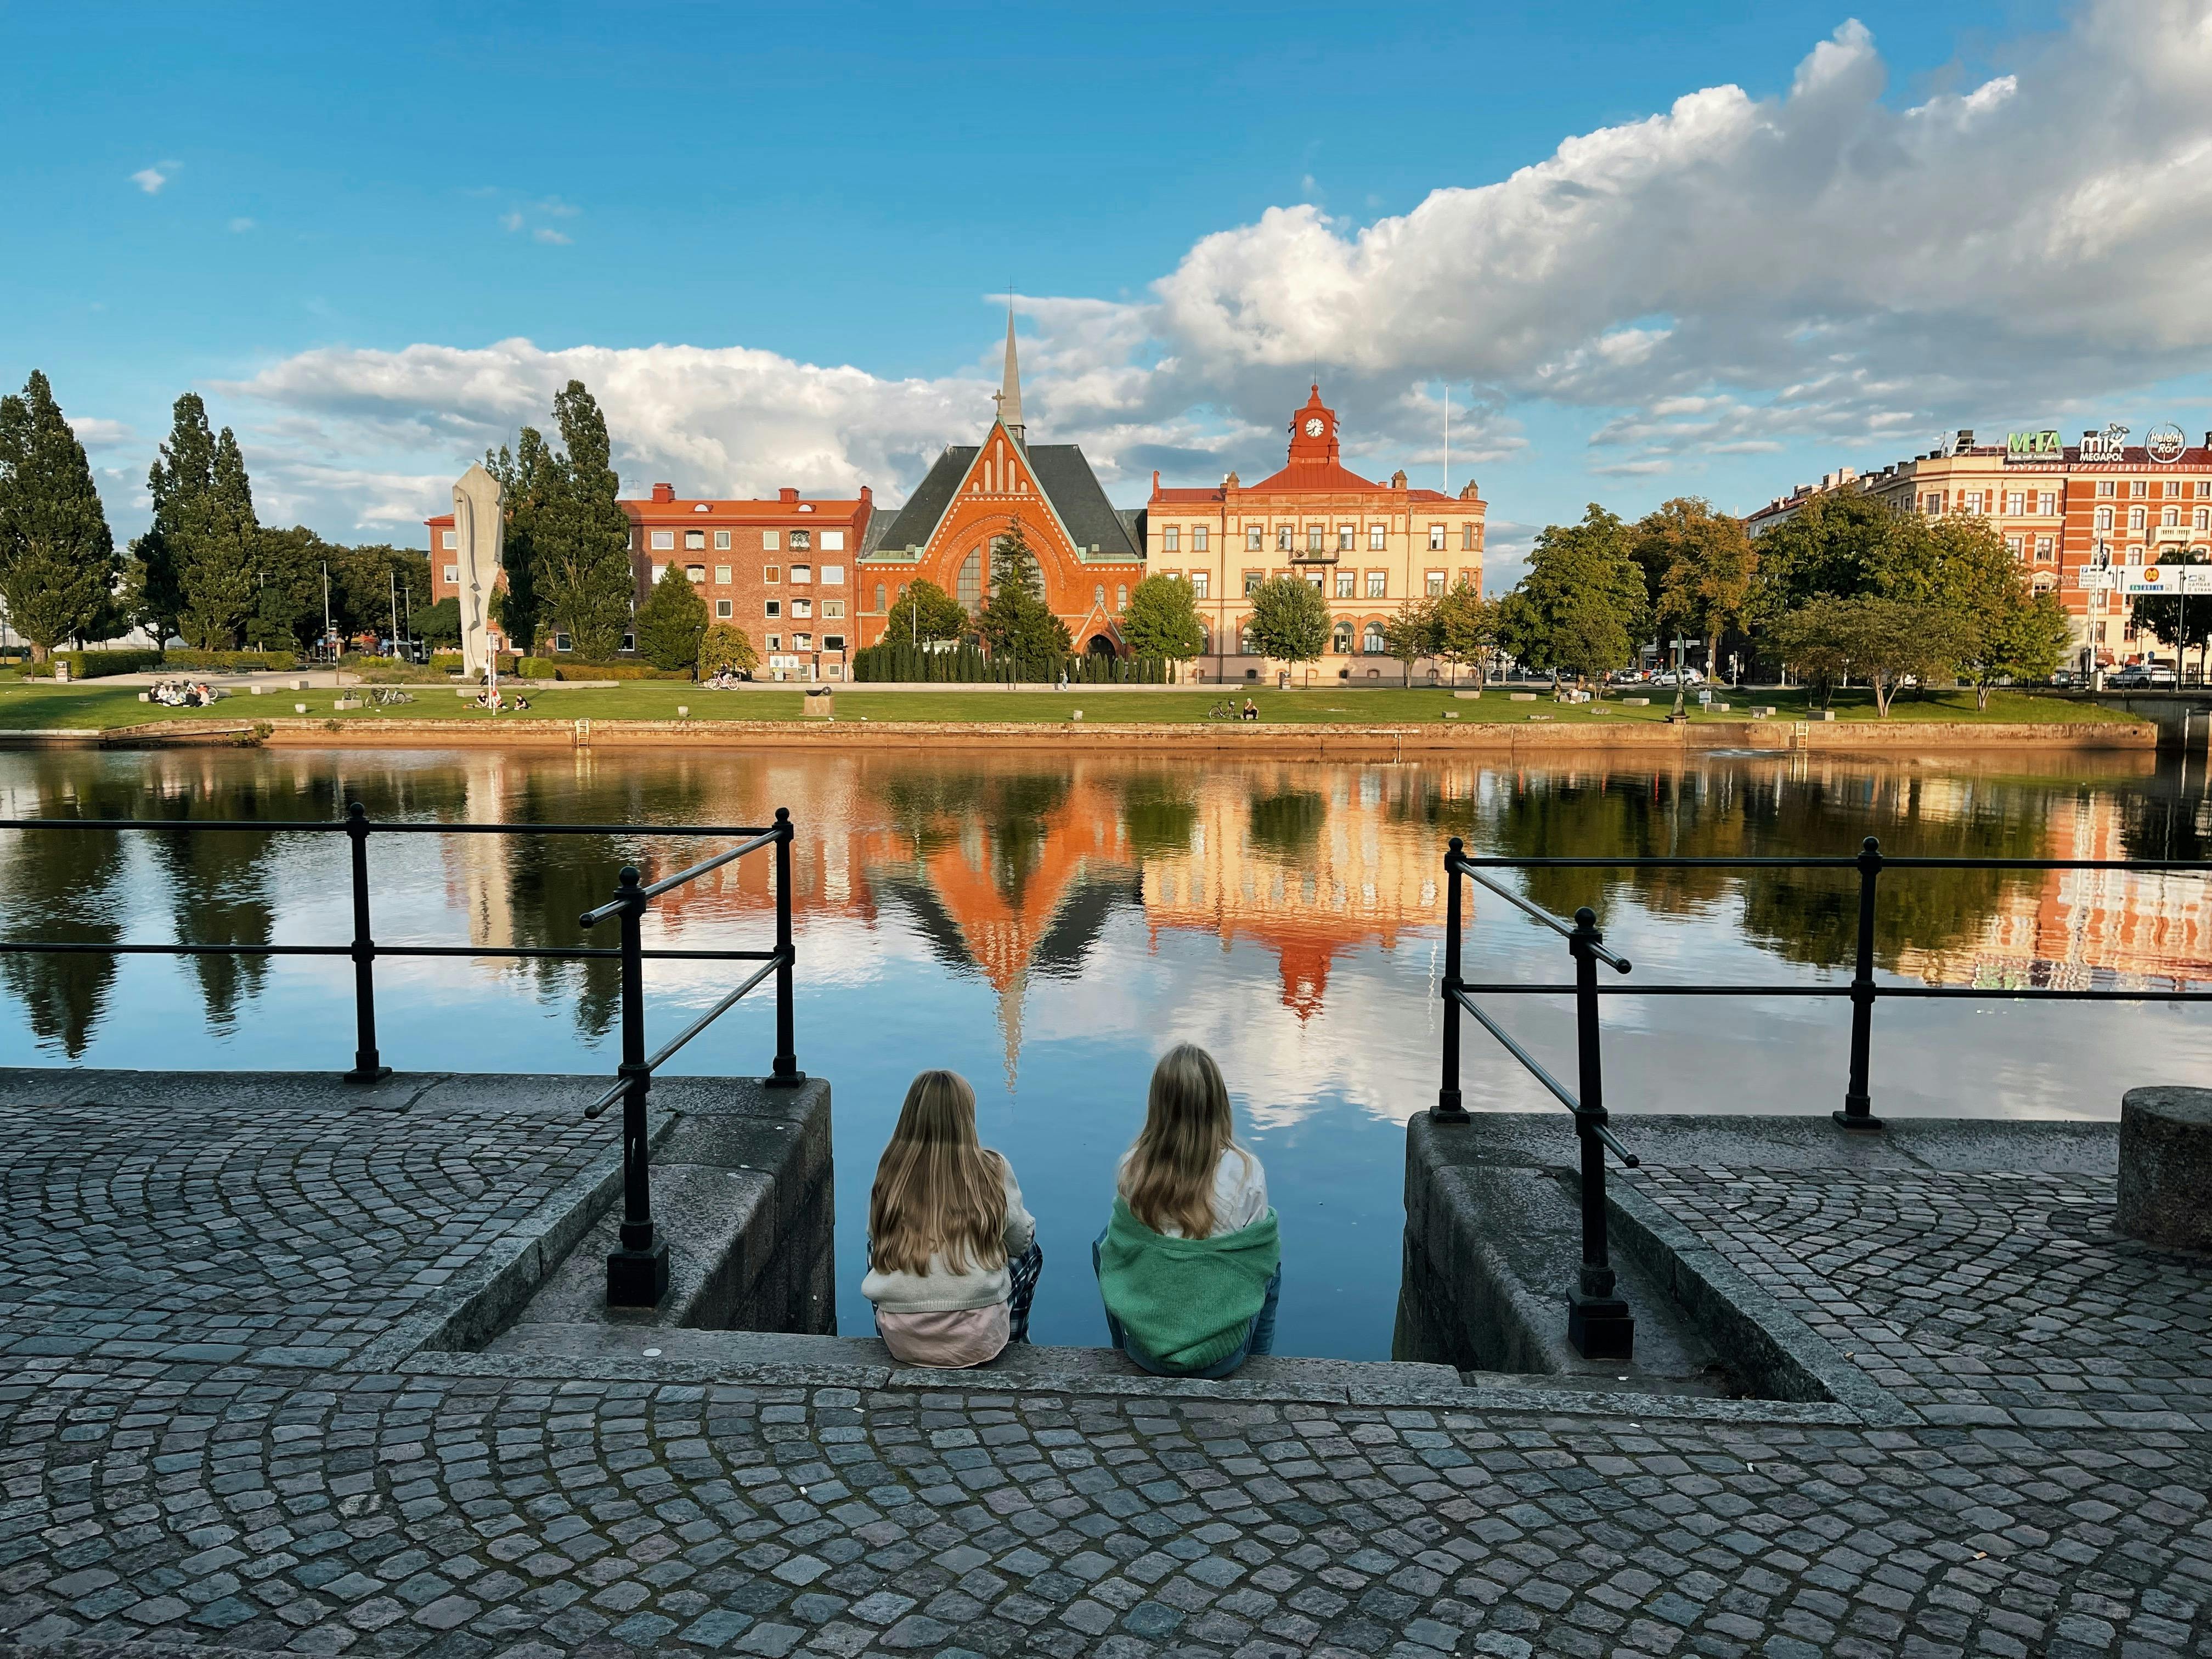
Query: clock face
1314,427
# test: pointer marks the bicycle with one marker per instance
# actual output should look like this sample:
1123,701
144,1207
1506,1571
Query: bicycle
1225,710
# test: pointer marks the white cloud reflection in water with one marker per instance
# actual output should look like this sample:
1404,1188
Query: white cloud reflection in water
1047,926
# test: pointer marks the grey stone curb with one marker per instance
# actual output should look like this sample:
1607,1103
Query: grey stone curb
1538,1402
473,1305
1771,1345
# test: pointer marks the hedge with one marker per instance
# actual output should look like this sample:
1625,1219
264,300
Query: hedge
276,659
450,661
98,665
966,665
564,668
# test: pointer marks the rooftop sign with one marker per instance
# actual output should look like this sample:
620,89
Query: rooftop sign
2105,446
2033,446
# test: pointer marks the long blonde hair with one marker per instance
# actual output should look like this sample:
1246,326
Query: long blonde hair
1169,1177
937,1187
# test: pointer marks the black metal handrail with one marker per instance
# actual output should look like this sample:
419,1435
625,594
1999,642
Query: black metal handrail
637,1274
1600,1323
1857,1113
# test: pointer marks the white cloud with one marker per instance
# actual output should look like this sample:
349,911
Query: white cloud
96,434
150,180
1822,269
545,233
242,225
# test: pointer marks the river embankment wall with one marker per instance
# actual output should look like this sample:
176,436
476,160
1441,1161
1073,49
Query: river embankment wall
1306,742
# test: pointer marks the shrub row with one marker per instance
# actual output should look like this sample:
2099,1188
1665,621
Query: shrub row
449,662
965,664
97,665
188,658
566,668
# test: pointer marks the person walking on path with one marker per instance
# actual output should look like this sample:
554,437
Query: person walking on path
952,1255
1190,1264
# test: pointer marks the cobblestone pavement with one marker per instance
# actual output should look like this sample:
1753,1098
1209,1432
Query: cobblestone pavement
190,1231
383,1515
1973,1298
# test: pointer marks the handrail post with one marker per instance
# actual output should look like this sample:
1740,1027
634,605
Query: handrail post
367,1065
786,1073
637,1274
1599,1323
1448,1108
1858,1106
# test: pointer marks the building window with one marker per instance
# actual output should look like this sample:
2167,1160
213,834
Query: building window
2204,518
2138,487
2044,552
695,541
1098,596
722,575
801,541
2046,503
1932,502
1245,641
775,641
833,541
563,642
833,642
801,609
775,608
1198,539
1341,640
1120,596
1378,585
448,538
970,588
1435,539
802,642
721,541
2135,517
1253,578
2016,502
1374,533
655,572
1467,538
2103,518
2107,487
1436,584
1172,540
1200,581
664,541
771,574
1346,581
2171,518
1371,642
696,572
724,609
1316,539
454,574
2013,544
1252,538
769,541
1283,536
802,572
879,599
1973,504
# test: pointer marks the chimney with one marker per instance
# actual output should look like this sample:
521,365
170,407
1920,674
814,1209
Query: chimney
1156,481
664,492
867,496
787,496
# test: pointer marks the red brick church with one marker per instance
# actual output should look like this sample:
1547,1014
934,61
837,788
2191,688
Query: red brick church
1088,553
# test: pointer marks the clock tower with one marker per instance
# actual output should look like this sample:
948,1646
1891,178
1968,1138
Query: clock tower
1313,433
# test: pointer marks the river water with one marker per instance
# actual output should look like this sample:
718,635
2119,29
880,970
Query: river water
1047,926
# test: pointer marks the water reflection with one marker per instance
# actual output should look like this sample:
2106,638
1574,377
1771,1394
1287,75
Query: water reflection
1012,871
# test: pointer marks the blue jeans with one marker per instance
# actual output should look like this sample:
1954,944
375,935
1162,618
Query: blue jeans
1258,1337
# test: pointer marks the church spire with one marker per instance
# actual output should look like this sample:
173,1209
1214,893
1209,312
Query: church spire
1009,395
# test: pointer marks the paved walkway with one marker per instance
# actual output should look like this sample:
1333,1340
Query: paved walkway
192,1452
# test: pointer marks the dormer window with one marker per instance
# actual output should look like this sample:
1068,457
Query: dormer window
700,507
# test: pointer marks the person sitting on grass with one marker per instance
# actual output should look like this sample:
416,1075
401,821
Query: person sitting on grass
1251,709
952,1255
1190,1264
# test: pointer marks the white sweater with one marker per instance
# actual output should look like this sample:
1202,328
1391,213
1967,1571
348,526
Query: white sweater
1240,1191
940,1290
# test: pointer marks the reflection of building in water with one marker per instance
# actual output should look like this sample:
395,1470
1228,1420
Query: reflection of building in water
1337,874
2085,929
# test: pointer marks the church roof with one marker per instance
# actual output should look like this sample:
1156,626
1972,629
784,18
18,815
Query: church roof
1062,474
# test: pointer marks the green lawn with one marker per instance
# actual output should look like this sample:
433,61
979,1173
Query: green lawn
26,704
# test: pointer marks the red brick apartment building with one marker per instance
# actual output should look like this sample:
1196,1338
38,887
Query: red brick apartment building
2083,520
783,570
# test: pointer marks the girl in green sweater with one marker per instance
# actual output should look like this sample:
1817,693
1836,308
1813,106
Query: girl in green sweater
1190,1265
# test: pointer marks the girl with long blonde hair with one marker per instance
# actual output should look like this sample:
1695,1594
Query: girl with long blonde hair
1190,1265
952,1255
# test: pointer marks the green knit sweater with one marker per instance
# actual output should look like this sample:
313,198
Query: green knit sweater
1186,1302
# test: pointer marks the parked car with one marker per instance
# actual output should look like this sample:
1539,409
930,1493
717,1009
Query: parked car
1667,676
2140,676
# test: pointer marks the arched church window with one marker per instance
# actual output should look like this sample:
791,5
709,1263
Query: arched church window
970,585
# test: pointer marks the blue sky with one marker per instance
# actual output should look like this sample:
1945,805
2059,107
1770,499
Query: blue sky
326,220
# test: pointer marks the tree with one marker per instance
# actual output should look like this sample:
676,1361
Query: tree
672,622
182,474
2028,643
216,541
525,482
1582,608
440,624
288,591
1020,632
1466,627
579,537
58,564
1412,633
1883,640
1838,545
1290,621
726,645
923,614
1161,619
1703,563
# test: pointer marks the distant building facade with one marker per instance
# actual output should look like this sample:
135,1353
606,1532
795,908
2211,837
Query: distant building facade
1088,555
1371,549
2079,518
783,570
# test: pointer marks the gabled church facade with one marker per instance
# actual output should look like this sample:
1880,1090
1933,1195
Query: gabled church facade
1089,554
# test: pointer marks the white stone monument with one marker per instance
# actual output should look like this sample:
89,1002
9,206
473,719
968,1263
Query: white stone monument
478,526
